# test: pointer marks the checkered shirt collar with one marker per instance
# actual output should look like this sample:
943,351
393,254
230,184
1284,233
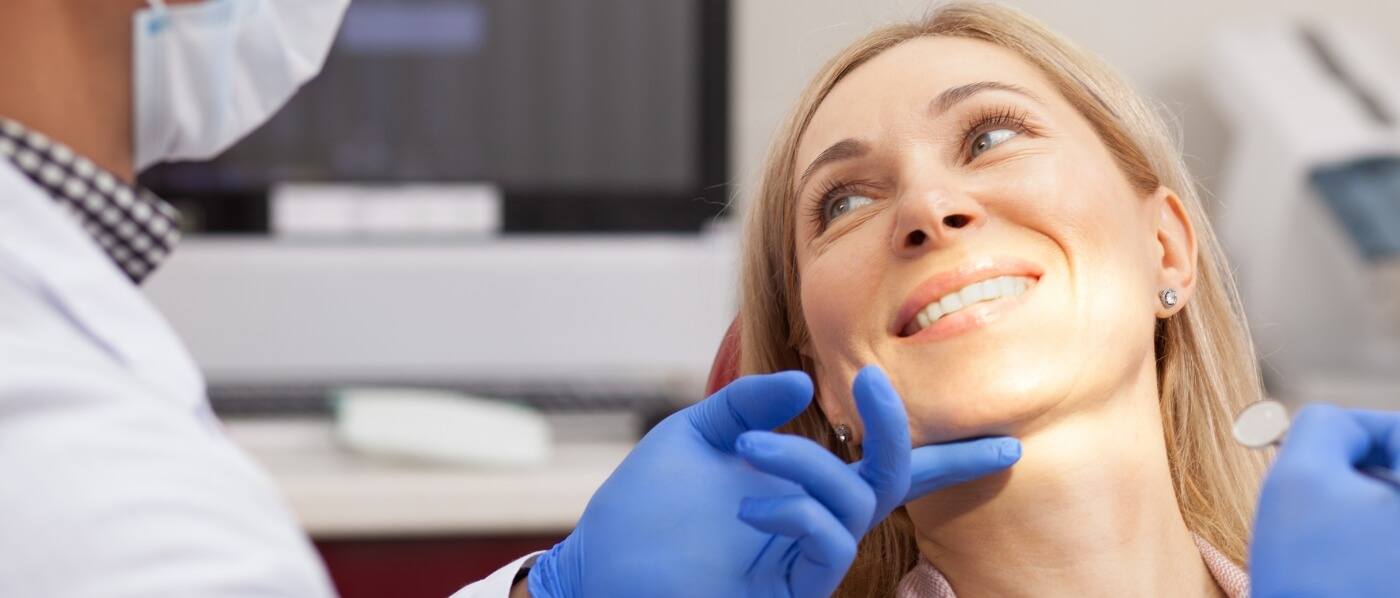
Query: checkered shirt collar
133,227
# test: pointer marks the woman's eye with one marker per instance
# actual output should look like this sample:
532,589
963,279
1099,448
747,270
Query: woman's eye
989,140
845,204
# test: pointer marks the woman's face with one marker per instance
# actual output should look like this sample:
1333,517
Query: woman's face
945,162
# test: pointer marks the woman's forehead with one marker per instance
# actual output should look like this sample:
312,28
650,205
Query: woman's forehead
908,77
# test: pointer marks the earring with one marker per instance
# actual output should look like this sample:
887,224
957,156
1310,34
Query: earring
843,433
1168,297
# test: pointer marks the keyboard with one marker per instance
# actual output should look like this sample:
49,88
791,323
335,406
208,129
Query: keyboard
645,405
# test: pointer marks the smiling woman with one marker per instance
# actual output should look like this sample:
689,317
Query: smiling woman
997,219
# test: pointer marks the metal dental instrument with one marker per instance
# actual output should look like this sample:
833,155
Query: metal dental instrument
1265,423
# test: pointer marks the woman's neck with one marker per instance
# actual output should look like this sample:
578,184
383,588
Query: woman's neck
1088,511
65,71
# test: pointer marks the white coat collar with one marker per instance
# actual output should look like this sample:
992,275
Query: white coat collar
133,227
45,251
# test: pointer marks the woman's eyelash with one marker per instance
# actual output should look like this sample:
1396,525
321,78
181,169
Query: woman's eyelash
991,119
816,210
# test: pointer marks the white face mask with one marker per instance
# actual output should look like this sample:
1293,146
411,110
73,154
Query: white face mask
208,73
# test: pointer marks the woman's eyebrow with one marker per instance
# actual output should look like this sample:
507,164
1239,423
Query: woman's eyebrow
951,96
851,148
841,150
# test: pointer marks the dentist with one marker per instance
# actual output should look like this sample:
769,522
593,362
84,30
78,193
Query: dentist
115,479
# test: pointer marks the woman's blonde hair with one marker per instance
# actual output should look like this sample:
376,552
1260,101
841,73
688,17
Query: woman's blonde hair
1206,369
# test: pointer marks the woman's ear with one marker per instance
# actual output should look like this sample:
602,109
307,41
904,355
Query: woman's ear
1176,250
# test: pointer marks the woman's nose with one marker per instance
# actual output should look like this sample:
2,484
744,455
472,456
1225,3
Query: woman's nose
933,220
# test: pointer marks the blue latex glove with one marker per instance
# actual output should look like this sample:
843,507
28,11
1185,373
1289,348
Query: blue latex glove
668,521
1323,527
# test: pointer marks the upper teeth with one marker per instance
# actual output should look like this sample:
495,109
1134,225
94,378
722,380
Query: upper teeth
977,292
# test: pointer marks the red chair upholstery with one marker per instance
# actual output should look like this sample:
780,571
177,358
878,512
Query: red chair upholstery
726,366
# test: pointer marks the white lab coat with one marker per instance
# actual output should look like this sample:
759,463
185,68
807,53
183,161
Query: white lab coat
497,585
115,478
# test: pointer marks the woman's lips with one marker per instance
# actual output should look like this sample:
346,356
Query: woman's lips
969,318
944,283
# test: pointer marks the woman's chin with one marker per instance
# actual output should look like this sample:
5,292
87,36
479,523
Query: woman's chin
1005,415
990,399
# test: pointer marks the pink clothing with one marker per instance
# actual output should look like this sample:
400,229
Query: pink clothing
924,581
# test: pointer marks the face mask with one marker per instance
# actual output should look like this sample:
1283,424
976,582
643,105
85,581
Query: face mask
208,73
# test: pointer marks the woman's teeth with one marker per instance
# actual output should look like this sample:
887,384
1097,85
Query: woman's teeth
977,292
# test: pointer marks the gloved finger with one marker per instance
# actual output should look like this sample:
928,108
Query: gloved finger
885,460
1384,430
824,476
1331,436
760,402
938,466
825,548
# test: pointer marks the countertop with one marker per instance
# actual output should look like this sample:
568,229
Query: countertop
339,494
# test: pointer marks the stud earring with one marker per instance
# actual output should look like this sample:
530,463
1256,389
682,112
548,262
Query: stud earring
843,433
1168,297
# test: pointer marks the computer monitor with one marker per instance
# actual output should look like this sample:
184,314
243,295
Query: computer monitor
587,115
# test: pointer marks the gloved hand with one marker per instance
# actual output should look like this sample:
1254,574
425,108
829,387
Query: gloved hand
668,521
1323,527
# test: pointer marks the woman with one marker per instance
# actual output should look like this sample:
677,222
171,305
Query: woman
998,221
978,146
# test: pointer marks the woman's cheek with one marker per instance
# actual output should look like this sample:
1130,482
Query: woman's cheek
838,293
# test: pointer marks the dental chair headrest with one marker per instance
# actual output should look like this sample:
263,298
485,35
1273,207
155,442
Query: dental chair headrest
726,365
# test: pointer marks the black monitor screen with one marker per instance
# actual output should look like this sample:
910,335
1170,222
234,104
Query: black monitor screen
587,114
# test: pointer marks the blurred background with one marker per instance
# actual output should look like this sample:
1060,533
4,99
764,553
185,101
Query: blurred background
510,222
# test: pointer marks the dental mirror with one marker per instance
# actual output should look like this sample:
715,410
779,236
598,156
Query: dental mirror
1261,424
1265,423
